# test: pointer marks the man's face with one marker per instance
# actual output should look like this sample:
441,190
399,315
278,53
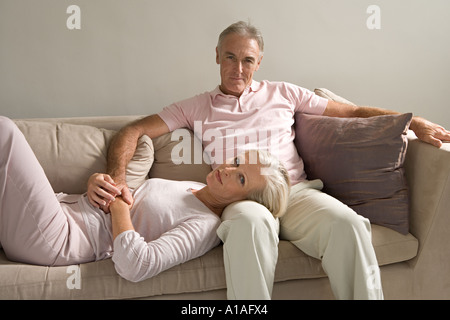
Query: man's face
239,58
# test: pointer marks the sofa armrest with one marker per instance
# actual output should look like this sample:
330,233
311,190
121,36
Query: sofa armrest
428,175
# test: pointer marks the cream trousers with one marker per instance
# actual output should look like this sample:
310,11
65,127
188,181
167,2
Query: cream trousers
317,224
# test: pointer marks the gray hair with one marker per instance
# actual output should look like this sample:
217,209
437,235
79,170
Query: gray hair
243,29
275,195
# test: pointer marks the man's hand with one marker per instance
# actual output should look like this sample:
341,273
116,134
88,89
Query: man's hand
425,130
102,190
429,132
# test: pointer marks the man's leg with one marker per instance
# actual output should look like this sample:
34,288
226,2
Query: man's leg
326,229
250,250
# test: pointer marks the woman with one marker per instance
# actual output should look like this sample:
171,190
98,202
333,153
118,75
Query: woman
169,223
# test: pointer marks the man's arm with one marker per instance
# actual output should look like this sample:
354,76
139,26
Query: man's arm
124,143
120,152
425,130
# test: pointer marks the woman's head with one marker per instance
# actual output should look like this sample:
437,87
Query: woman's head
254,175
275,194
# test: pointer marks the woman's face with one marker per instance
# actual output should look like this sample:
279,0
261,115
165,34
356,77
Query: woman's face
234,180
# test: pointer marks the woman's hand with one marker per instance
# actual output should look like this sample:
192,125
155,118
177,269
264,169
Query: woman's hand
120,216
101,190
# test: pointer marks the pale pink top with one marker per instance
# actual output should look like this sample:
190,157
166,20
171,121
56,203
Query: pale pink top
172,226
262,117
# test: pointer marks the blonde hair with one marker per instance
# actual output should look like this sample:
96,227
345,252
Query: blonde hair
275,194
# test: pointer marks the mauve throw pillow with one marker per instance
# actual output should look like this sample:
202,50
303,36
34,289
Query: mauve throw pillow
360,161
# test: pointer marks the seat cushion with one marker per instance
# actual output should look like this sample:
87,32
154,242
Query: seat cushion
99,280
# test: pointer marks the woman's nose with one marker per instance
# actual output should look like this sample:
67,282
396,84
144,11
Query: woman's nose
228,170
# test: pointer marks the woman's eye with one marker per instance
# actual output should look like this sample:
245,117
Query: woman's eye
242,179
236,162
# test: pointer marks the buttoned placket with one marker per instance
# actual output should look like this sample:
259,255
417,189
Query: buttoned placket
242,99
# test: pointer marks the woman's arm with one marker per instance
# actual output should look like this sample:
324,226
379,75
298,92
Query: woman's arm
120,152
135,259
120,217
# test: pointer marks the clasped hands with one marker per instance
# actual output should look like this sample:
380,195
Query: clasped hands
102,190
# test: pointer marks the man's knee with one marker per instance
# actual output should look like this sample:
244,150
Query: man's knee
350,223
248,217
247,211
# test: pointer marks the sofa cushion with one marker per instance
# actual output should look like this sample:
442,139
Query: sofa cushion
360,161
99,280
173,145
325,93
70,153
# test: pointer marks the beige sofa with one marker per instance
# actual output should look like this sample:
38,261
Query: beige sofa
413,266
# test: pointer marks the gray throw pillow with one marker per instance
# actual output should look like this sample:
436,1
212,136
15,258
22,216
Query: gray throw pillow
360,161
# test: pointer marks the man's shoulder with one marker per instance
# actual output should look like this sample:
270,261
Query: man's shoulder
283,87
197,100
277,83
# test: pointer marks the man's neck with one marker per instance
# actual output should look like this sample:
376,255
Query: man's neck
224,91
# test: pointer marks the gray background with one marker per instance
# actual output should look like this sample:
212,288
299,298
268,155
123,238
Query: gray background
135,57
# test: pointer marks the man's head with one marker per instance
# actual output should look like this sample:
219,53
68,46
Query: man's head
239,53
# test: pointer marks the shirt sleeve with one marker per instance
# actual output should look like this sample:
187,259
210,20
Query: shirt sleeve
136,260
182,114
304,100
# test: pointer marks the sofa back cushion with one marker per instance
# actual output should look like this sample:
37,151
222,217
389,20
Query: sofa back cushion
360,162
175,157
70,153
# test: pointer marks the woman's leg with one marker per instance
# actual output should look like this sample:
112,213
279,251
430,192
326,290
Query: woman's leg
33,226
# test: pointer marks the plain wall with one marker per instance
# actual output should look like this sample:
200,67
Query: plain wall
137,56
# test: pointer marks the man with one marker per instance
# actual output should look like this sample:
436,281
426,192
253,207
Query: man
320,225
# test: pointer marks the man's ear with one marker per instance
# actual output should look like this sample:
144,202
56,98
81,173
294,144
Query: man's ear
217,56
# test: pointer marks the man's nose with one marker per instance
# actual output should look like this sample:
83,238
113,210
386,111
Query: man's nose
238,66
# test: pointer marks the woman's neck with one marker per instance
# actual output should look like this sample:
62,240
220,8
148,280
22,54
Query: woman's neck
208,200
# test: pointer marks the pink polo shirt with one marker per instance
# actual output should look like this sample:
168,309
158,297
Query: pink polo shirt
262,117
